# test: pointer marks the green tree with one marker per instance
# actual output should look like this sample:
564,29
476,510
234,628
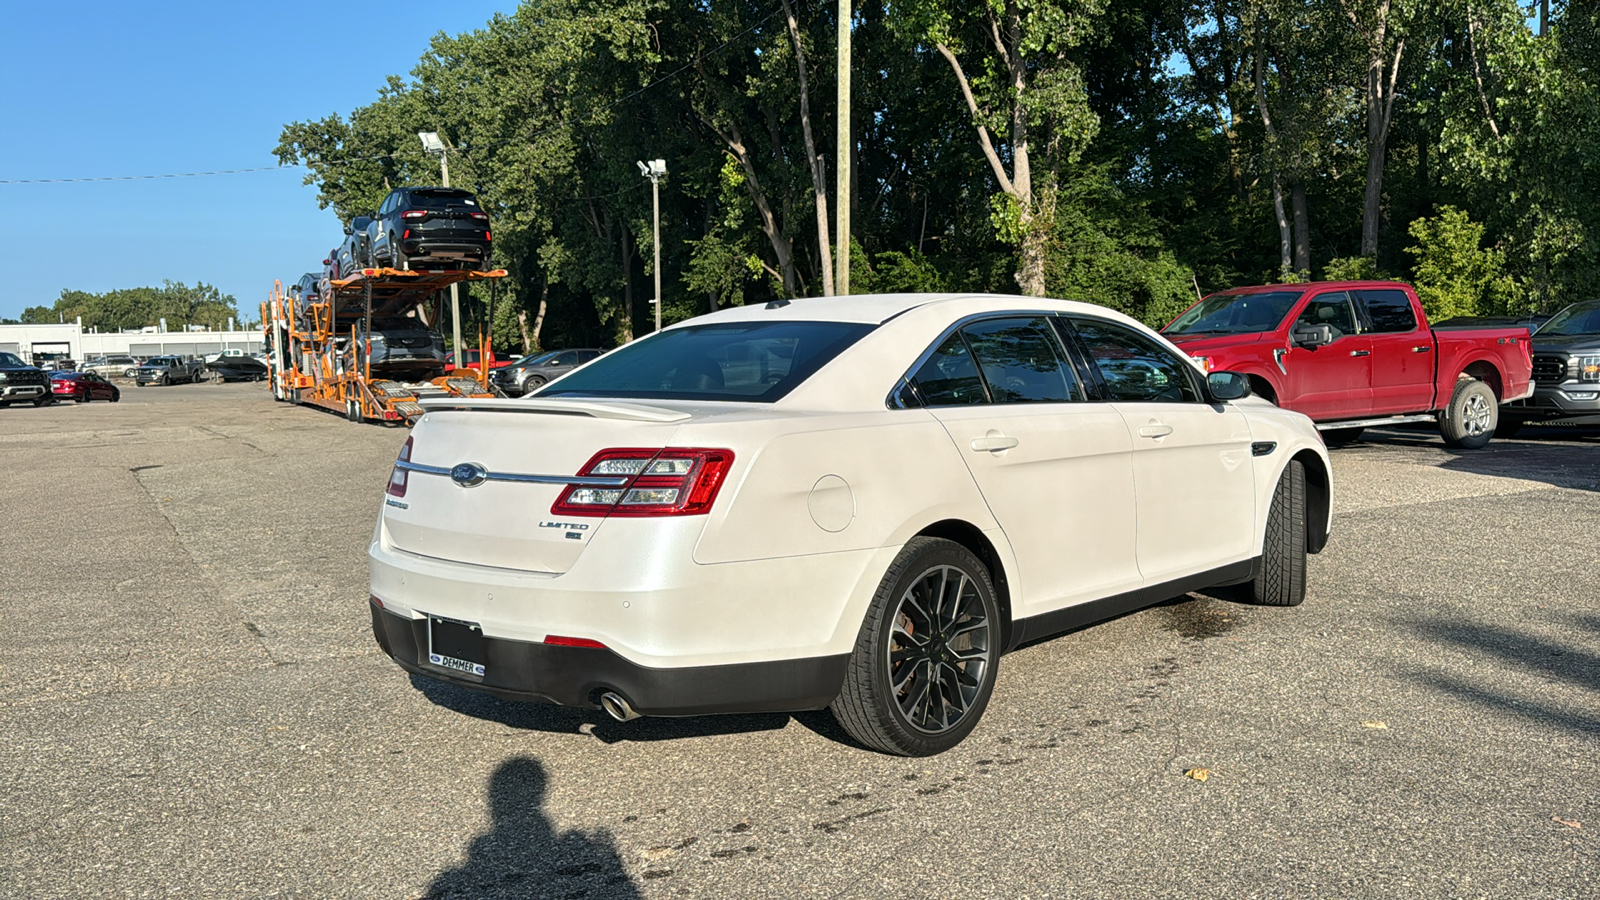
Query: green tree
1455,274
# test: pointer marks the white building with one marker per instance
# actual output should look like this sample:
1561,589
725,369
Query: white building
28,340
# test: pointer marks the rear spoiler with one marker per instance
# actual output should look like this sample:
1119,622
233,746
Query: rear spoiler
598,409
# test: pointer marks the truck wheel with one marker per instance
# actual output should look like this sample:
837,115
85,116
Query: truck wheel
1282,579
1469,420
925,661
397,255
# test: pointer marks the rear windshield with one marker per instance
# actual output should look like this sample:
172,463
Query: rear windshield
397,323
441,199
751,361
1235,313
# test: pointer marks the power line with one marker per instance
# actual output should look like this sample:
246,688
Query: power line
148,177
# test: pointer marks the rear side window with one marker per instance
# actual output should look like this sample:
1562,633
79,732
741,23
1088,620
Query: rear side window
1021,361
1388,311
950,377
750,361
1135,368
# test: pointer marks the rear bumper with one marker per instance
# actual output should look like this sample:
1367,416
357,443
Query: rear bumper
447,248
577,676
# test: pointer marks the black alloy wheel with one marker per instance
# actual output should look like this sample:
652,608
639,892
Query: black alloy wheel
927,657
533,383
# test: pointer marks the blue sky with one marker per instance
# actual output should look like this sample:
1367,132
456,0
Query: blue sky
94,89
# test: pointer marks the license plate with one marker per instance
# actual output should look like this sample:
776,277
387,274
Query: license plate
457,645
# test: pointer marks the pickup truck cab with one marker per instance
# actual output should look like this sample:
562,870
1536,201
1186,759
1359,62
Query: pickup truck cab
1350,354
168,370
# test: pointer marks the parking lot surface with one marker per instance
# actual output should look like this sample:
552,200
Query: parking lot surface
192,703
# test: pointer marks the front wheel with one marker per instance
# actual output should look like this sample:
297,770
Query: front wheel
533,383
1469,420
115,396
1282,578
928,653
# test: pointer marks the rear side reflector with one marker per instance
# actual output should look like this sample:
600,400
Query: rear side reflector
676,481
399,478
559,641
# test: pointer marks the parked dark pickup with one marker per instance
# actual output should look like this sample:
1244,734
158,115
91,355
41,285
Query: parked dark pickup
1566,372
22,382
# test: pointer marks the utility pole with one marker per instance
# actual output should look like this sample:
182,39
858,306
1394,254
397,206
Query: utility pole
432,143
842,157
653,171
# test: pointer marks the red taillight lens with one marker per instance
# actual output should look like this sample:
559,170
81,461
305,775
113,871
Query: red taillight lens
487,236
672,482
399,478
406,235
414,214
482,217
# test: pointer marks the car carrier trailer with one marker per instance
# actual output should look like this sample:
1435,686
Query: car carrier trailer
319,348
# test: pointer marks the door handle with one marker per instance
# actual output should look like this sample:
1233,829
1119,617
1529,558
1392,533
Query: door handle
1155,431
993,443
1360,352
1420,349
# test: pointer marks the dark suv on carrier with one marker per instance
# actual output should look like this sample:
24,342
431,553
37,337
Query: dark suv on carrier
421,227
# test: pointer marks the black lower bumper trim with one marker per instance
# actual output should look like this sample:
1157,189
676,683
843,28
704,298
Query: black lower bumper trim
1083,615
577,676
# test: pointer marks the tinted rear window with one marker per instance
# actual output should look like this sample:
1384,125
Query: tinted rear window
751,361
441,199
397,323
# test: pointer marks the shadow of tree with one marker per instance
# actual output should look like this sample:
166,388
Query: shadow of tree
523,856
1524,652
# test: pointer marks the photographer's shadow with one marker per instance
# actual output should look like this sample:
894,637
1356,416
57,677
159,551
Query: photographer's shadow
522,856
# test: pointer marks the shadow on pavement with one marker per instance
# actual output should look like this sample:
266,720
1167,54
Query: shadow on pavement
1524,652
523,856
1560,457
562,720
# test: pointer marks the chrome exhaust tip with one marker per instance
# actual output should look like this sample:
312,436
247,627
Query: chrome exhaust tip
617,707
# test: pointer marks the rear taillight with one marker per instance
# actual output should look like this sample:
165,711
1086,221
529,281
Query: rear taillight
399,478
414,214
557,640
482,217
672,482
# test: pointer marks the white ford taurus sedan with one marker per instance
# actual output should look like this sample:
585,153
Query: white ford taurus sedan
855,502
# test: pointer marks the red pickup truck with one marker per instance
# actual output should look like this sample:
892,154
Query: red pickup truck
1350,354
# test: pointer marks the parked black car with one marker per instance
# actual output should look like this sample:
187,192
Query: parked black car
531,372
1566,372
21,382
404,348
430,227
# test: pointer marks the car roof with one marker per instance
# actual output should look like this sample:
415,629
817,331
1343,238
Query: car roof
878,308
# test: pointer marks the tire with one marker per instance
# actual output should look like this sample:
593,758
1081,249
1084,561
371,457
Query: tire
533,383
397,256
1282,578
962,647
1470,419
5,404
116,396
1340,437
43,401
352,410
129,373
1508,427
84,399
166,381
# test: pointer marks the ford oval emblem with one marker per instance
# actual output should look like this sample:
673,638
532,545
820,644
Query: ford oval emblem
469,474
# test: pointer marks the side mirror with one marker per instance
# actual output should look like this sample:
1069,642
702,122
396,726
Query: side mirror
1312,335
349,229
1225,386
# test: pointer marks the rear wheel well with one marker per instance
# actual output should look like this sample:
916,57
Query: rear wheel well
1486,372
971,537
1319,495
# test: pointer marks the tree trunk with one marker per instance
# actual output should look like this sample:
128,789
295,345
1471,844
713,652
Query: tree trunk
1302,229
538,317
813,161
1374,27
522,327
1285,239
627,288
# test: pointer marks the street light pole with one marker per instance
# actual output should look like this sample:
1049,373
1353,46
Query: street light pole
432,143
653,171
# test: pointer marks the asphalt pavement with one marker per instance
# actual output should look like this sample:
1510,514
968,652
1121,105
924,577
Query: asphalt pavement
192,704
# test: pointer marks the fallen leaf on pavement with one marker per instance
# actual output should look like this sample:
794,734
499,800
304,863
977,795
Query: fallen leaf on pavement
1567,822
1198,774
1374,723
